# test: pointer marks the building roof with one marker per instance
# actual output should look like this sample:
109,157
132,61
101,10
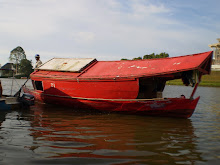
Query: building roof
7,66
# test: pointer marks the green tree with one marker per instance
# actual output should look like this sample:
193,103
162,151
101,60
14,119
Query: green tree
16,55
150,56
153,55
25,67
164,55
157,56
146,56
137,58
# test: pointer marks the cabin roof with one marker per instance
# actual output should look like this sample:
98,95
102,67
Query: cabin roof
150,67
128,68
67,64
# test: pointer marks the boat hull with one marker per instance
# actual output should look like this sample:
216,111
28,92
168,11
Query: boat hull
107,89
169,107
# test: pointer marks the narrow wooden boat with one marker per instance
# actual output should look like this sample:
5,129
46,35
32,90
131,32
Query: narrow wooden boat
132,87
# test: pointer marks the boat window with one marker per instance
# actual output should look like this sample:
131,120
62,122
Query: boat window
38,85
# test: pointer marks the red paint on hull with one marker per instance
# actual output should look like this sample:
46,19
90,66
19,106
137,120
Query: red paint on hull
170,107
93,89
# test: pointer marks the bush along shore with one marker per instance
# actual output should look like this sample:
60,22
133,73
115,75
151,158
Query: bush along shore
212,80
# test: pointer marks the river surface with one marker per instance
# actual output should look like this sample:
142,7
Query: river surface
48,134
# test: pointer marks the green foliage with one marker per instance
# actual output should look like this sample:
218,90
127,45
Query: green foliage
138,58
150,56
17,54
25,67
164,55
161,55
22,65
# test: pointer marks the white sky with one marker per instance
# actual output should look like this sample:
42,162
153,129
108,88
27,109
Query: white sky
107,29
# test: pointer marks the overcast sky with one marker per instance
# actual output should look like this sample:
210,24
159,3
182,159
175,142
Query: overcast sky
107,29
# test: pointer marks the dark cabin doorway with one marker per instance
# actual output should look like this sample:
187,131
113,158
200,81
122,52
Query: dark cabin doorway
38,85
151,88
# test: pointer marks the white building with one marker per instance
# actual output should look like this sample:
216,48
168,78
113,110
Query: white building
216,55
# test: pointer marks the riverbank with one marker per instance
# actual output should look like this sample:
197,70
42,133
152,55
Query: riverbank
212,80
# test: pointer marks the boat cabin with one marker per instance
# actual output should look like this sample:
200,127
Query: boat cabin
131,79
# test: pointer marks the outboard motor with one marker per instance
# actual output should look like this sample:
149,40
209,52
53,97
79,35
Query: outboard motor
27,99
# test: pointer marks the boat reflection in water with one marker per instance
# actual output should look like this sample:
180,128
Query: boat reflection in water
62,133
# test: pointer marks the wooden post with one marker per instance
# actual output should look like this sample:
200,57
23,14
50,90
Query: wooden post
194,90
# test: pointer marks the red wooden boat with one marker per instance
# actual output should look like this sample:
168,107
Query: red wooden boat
132,87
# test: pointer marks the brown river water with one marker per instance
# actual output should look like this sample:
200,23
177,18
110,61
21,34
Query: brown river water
49,134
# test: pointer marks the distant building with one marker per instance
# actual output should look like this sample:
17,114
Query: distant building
8,69
8,66
216,55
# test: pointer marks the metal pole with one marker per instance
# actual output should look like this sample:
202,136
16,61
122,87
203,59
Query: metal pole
12,83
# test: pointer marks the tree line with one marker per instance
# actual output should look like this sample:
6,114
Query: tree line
22,66
150,56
